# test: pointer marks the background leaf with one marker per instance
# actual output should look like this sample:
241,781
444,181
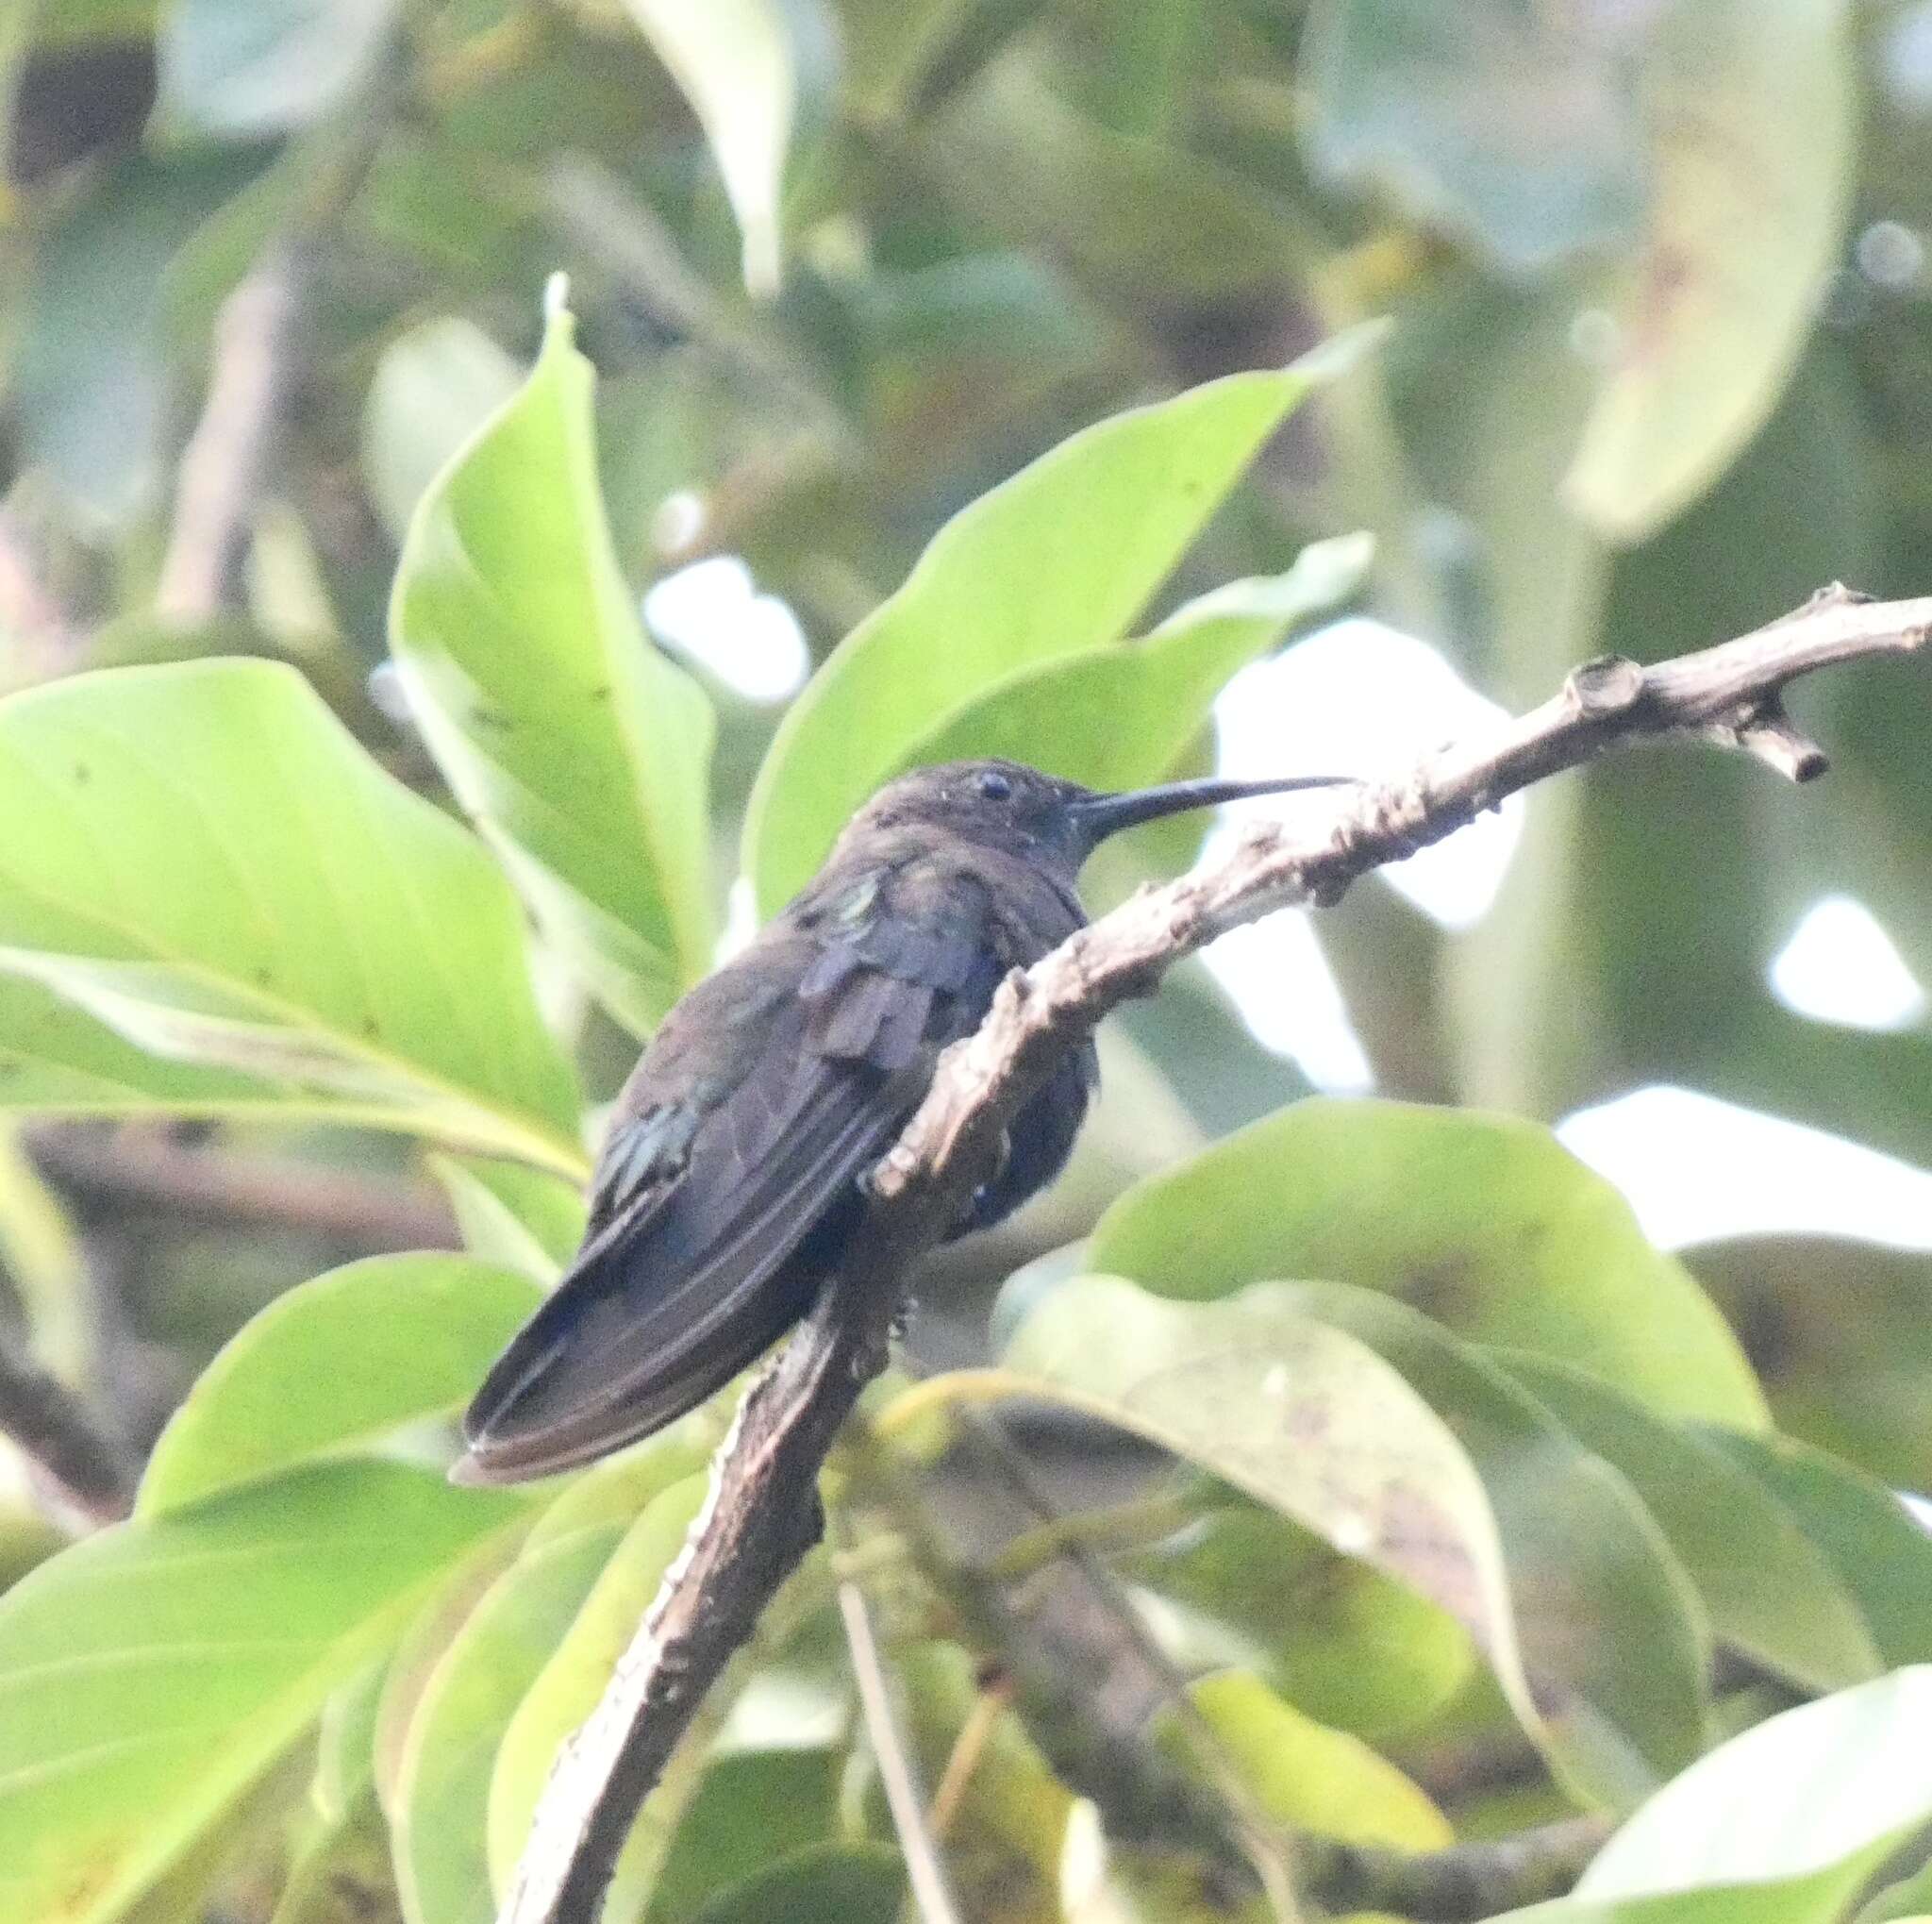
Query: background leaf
442,1796
1483,1221
203,860
267,67
1769,1592
737,64
1753,111
336,1364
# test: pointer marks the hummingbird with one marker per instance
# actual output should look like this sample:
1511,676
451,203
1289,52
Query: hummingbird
732,1173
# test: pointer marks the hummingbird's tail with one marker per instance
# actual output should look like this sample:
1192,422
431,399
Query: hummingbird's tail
690,1283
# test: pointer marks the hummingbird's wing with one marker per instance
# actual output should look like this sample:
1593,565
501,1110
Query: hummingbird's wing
711,1229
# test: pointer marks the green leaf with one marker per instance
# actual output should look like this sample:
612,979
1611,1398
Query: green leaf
150,1675
1882,1556
582,752
1503,120
268,66
1753,111
334,1365
737,63
442,1793
1304,1774
509,1213
1341,1641
567,1687
1789,1820
201,857
45,1265
56,1058
751,1810
1485,1222
1769,1592
1120,717
854,1883
619,1488
1614,1639
434,387
1442,1476
1057,559
1846,1346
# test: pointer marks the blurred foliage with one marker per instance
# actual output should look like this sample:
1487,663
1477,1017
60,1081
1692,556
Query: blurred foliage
356,820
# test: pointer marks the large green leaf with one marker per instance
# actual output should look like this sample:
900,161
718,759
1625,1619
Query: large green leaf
1769,1592
1443,1476
339,1362
1614,1639
1753,110
443,1795
1882,1555
1782,1825
1122,715
202,858
1341,1641
582,752
149,1676
1057,559
1304,1774
1485,1222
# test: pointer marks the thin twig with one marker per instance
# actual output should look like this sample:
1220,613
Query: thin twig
261,354
1267,1850
924,1871
762,1515
231,457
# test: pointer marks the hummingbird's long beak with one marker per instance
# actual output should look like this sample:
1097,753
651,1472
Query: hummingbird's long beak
1098,816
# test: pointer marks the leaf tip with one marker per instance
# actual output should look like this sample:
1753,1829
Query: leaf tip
1344,352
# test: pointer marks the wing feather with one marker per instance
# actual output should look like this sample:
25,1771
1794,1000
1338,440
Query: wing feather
711,1226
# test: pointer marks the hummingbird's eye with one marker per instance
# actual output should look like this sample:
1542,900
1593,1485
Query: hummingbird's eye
993,785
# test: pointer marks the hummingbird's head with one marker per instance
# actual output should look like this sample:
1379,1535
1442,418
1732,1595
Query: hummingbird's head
1008,805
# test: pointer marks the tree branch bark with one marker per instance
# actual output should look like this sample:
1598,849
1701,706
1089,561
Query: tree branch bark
762,1514
142,1170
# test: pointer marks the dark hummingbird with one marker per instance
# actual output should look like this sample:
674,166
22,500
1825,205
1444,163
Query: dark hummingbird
730,1176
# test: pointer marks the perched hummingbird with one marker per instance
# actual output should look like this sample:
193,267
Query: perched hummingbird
730,1180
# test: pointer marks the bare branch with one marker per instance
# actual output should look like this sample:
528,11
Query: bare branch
762,1514
87,1469
1456,1885
136,1169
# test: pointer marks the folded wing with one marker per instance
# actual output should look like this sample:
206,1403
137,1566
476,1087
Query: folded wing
714,1222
